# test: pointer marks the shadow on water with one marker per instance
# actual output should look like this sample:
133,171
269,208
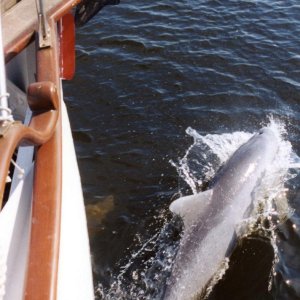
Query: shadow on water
249,272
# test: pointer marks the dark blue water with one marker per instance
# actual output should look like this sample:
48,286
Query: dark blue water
145,72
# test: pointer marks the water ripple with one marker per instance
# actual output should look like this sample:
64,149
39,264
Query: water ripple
147,70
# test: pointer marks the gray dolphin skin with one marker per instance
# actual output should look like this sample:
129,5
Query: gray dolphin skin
211,217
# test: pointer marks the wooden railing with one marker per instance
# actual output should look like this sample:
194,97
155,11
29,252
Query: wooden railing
43,101
44,131
20,22
46,209
7,4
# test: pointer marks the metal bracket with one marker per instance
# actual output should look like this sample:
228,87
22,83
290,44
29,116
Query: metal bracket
44,28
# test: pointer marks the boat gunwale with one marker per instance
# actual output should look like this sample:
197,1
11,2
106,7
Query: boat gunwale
41,278
42,265
17,37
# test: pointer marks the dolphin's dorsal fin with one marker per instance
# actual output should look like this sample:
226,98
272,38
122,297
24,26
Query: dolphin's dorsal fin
191,208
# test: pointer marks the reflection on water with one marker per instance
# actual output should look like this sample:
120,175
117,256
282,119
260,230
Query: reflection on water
96,213
146,71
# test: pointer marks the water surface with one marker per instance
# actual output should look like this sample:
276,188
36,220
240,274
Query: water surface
148,70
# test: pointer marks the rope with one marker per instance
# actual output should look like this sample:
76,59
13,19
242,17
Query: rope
4,117
4,95
20,170
9,116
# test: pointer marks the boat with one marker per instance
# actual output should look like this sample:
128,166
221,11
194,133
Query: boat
44,245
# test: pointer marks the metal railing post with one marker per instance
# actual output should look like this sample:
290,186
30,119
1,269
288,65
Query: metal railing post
5,112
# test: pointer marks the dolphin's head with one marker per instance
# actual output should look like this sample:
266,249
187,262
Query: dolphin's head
265,142
260,150
267,131
269,135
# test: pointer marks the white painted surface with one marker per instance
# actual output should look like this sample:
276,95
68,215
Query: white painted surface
15,221
17,101
75,274
16,214
14,235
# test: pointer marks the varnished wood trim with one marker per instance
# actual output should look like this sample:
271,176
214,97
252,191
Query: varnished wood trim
17,134
67,46
20,22
7,4
43,100
42,271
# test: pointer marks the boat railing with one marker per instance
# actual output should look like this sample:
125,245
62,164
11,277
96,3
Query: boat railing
18,37
43,102
42,95
20,28
5,112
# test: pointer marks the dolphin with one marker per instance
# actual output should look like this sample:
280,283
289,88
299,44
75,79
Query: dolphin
211,217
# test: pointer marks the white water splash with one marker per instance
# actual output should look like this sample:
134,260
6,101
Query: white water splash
143,276
207,153
200,163
270,205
